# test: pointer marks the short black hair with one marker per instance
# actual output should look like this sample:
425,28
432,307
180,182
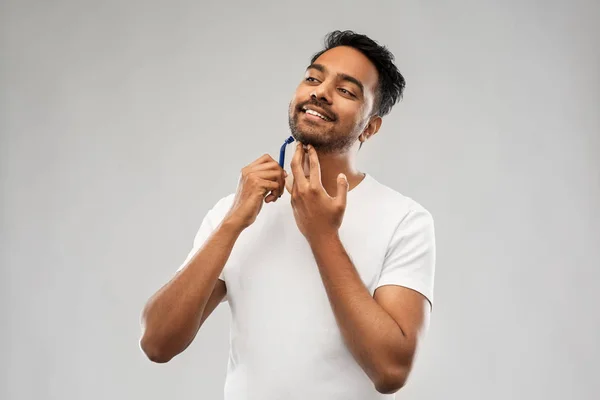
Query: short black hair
391,82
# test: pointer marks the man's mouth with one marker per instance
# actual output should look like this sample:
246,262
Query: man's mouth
314,114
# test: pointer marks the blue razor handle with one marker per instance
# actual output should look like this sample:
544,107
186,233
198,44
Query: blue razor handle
282,151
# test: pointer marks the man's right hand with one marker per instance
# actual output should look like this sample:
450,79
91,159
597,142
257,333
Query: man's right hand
259,178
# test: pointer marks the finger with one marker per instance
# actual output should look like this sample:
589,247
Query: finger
277,192
275,173
297,166
303,163
270,197
268,186
315,167
294,189
282,177
265,158
278,178
269,175
342,190
269,164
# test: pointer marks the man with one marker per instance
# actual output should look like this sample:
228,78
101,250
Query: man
330,284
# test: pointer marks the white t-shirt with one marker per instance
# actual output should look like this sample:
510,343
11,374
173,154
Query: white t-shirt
284,339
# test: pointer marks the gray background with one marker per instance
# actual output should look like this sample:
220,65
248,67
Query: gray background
123,122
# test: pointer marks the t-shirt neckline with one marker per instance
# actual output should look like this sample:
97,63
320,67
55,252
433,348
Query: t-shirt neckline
351,191
360,184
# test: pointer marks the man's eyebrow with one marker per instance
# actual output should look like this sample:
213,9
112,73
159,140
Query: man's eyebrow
345,77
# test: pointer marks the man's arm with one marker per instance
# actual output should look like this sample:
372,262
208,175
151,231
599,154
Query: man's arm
173,315
383,331
216,297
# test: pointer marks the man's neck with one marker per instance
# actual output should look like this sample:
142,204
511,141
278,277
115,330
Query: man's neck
331,167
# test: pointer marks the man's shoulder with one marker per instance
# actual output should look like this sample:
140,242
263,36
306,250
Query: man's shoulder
395,202
223,204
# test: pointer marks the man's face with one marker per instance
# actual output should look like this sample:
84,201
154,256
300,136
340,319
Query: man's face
341,86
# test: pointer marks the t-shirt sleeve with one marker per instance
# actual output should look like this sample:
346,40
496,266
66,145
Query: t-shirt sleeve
211,220
411,254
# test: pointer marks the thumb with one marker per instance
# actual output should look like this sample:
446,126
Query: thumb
342,188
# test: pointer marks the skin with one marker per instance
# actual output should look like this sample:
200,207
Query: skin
382,332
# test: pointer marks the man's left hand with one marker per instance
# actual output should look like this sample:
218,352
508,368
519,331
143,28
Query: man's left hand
317,214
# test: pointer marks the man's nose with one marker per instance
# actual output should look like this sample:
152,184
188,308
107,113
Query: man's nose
322,93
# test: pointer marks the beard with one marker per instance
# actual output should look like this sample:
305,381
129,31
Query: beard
326,140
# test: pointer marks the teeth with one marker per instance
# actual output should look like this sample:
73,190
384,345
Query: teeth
317,114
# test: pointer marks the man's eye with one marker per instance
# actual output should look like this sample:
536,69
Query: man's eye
309,79
346,92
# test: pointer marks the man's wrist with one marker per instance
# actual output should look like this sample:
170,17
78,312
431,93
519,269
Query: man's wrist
323,241
232,225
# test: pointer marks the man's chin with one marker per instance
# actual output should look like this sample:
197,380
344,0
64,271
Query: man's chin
308,133
311,130
309,137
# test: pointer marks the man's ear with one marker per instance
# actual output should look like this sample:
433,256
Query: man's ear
371,128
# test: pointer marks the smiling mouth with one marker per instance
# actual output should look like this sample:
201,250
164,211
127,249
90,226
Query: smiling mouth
314,118
314,115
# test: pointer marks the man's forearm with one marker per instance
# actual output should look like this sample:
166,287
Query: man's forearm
173,315
374,338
